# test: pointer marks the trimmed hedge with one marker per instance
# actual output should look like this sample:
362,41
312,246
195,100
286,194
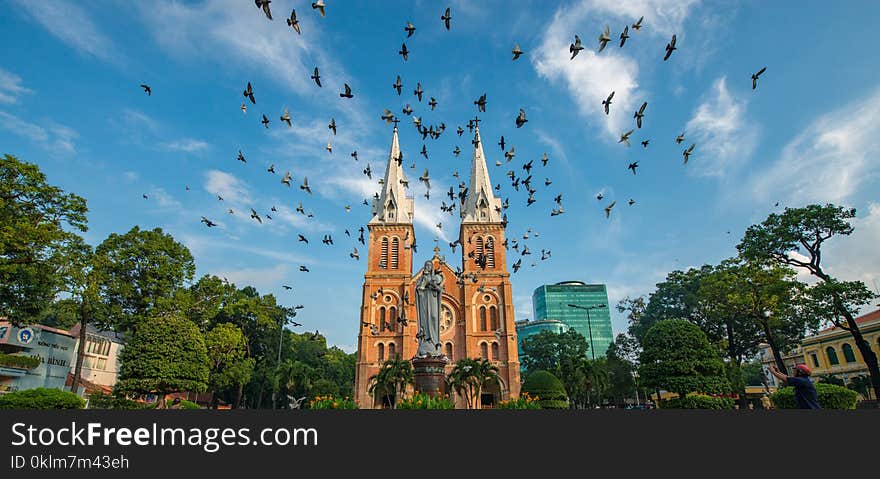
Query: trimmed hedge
831,396
698,401
547,389
18,361
41,398
184,404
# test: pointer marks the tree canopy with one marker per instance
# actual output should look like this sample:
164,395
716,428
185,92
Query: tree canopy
678,357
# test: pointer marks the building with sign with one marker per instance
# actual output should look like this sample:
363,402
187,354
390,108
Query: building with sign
54,348
552,301
477,318
101,361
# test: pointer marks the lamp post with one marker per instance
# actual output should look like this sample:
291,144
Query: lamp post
589,324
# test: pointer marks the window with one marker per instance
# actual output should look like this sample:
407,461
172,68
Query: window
392,319
482,318
97,345
381,354
493,316
490,252
479,250
383,254
815,360
392,351
382,324
449,350
848,353
484,351
494,351
832,356
395,245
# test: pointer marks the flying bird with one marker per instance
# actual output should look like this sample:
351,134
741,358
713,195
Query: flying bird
286,117
446,18
521,118
754,77
607,102
286,179
403,52
418,91
398,85
638,25
687,153
354,254
517,51
481,103
624,36
287,287
645,143
305,186
575,47
249,93
544,159
319,6
332,125
147,89
316,76
409,29
624,138
679,138
265,121
241,157
387,116
670,47
604,38
633,166
329,148
243,108
501,142
208,223
293,22
608,209
631,201
640,114
304,269
264,4
347,92
432,103
255,216
302,239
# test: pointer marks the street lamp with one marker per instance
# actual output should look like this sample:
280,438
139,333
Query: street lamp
589,324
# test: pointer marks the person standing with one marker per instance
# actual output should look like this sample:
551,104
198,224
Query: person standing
804,392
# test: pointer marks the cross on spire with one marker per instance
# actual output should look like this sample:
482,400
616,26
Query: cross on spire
395,121
476,121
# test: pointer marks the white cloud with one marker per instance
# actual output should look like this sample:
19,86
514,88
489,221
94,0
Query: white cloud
260,278
857,258
591,77
11,87
70,23
187,145
723,136
830,160
163,198
228,186
53,137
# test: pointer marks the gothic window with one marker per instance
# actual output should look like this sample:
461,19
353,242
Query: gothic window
381,355
494,351
390,210
382,324
479,249
449,350
392,348
832,356
395,244
484,351
392,318
848,353
490,252
482,318
383,254
493,316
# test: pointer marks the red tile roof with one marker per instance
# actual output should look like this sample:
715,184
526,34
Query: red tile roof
863,319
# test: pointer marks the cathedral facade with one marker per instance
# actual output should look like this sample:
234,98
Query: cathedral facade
477,318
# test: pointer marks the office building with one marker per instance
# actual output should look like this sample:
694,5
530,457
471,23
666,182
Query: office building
551,302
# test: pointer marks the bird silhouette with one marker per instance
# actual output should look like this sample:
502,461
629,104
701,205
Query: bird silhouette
575,47
316,76
755,77
332,126
638,25
403,52
670,47
409,29
446,17
604,38
264,4
208,223
147,89
607,102
305,186
347,92
624,36
608,209
286,117
249,93
319,6
517,51
521,118
293,22
481,103
638,115
397,86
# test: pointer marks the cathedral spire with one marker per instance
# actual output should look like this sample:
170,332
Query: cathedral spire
393,206
480,205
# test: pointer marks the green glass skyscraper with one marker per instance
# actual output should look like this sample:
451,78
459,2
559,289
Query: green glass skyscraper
552,301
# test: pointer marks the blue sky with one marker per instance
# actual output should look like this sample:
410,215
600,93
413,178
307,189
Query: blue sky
70,101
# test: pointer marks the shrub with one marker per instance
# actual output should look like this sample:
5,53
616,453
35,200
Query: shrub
184,404
547,389
18,361
41,398
524,401
698,401
108,401
830,397
423,401
330,402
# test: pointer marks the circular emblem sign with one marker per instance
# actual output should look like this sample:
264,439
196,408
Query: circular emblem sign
25,335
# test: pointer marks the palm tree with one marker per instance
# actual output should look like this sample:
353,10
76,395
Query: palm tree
596,376
469,376
392,380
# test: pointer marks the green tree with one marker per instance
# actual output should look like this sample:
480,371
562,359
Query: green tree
795,238
678,357
141,273
231,369
164,354
469,376
37,222
547,388
547,349
392,380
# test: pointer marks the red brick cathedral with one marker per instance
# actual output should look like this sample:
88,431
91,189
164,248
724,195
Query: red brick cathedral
477,318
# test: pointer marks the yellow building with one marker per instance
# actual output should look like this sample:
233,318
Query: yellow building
832,351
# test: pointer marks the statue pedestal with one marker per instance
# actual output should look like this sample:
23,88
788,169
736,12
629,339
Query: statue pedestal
430,375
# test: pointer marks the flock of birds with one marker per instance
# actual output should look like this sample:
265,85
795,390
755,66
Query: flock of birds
523,182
